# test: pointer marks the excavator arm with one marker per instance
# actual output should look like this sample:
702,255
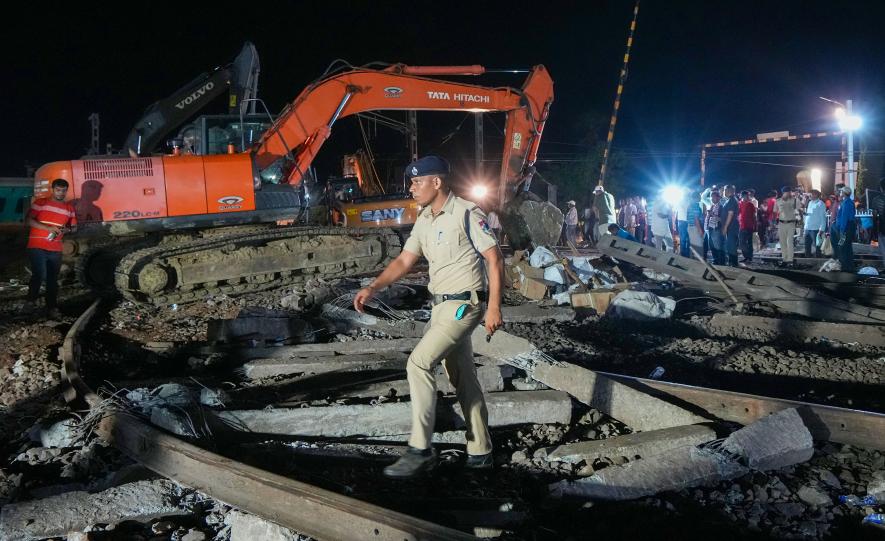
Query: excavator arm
286,150
239,78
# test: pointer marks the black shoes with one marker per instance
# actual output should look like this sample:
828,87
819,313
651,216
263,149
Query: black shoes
479,462
414,462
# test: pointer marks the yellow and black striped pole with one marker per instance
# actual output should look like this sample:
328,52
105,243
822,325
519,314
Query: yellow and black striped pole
756,141
621,81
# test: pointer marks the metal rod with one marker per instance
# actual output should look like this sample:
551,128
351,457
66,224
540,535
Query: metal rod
715,274
340,108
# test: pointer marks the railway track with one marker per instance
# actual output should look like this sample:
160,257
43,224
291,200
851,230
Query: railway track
325,514
305,508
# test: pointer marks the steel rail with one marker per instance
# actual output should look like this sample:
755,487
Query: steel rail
305,508
826,423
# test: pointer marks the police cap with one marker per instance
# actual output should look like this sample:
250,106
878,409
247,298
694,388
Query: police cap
428,165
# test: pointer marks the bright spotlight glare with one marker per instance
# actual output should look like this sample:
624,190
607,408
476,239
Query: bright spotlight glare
479,191
815,178
850,123
672,194
840,113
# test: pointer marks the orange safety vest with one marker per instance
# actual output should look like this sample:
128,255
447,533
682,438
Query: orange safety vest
50,212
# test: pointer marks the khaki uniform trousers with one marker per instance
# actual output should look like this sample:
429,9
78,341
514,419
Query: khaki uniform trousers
447,340
785,237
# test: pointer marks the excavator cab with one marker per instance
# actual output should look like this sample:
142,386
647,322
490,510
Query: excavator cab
219,134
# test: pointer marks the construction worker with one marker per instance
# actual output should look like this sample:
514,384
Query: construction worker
452,234
49,219
786,224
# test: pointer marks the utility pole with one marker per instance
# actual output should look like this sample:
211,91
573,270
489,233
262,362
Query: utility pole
852,171
621,81
478,142
93,146
413,134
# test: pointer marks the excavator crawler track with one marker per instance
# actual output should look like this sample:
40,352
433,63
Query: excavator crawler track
251,261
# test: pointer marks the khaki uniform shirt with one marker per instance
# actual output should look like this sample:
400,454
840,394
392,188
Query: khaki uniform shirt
786,209
455,265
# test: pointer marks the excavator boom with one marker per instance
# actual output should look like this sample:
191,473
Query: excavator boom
239,78
288,148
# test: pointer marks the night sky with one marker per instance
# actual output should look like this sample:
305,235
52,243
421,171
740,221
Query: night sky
700,72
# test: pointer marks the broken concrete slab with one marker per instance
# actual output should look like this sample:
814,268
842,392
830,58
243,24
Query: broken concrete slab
772,442
60,434
682,467
264,368
639,444
745,284
532,313
315,350
635,408
75,511
505,409
246,527
725,325
263,329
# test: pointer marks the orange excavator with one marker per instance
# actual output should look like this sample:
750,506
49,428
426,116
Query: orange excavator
172,229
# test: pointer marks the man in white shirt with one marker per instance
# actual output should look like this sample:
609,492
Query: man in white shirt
815,223
660,217
571,224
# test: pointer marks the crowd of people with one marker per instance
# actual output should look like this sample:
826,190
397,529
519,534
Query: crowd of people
720,223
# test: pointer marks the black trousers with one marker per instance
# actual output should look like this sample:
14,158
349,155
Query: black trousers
811,240
44,268
746,242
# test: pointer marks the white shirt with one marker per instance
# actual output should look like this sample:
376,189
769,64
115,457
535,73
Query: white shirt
660,225
681,209
572,217
815,216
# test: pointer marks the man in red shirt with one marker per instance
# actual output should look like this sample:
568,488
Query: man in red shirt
747,221
49,219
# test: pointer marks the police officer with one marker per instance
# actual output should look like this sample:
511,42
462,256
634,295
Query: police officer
454,237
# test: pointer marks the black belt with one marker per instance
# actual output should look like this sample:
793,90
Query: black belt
787,221
463,296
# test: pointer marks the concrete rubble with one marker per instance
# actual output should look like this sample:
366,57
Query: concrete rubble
59,515
636,408
636,445
773,442
555,413
246,527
